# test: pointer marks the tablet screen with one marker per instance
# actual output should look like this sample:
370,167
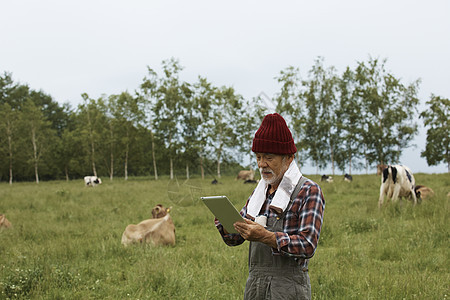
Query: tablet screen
224,211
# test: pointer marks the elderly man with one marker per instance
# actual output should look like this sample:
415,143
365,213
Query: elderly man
283,218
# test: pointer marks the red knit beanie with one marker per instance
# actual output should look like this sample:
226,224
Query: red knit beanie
273,136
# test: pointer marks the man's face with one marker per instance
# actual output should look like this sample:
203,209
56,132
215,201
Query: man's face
273,166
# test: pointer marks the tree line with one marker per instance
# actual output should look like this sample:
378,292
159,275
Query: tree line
352,120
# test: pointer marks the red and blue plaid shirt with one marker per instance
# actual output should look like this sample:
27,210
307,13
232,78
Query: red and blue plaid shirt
301,227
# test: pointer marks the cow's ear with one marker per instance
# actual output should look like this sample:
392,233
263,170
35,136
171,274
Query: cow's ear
394,174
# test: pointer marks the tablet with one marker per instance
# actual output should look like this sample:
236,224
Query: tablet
224,211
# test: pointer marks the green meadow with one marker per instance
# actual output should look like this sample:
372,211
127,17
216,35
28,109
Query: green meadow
66,242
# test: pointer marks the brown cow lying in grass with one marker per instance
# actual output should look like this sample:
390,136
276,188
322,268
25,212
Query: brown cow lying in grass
423,192
4,223
246,175
158,231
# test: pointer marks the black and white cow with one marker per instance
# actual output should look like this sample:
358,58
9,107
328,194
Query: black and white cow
326,178
92,181
348,177
397,182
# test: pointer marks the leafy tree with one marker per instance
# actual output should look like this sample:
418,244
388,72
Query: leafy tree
388,108
14,94
39,131
112,135
127,113
349,122
226,109
9,120
190,143
249,120
290,90
292,105
197,113
149,92
91,124
436,118
168,109
321,132
329,106
68,151
52,111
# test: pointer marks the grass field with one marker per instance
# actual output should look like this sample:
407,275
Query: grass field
65,243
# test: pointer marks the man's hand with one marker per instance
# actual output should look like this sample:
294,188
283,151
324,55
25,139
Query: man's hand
252,231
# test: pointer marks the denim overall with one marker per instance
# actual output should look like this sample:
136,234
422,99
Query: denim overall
276,276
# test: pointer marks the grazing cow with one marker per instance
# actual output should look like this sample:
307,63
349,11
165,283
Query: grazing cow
348,178
158,231
423,192
4,223
246,175
397,181
326,178
92,181
380,169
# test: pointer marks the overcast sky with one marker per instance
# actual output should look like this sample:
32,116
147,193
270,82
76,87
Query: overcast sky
67,48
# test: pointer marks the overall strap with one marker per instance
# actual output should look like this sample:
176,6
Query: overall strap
294,194
300,182
303,263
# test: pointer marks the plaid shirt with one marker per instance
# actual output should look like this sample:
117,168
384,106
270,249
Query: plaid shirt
301,227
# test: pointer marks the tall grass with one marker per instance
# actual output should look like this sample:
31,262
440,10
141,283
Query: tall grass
65,243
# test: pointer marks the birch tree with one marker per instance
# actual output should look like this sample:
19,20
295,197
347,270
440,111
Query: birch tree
226,109
168,109
388,108
9,120
91,126
127,114
292,105
149,94
321,131
39,132
349,122
197,126
436,120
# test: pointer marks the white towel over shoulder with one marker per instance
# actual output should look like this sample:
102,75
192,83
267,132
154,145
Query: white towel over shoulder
282,196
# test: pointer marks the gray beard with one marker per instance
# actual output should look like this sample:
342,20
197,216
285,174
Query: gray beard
274,178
